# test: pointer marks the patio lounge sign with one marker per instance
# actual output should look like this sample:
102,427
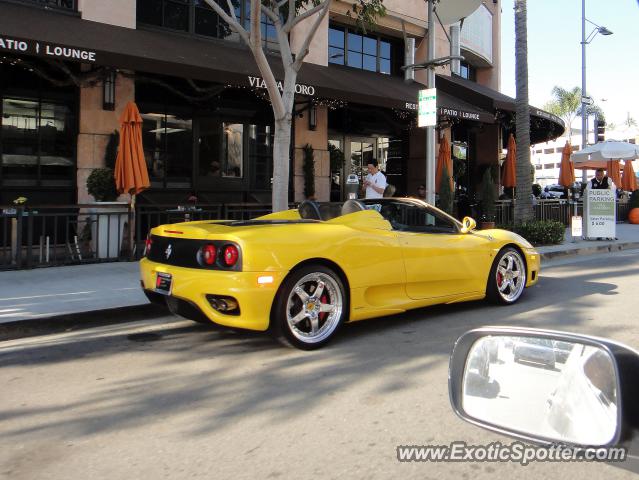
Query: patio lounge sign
31,47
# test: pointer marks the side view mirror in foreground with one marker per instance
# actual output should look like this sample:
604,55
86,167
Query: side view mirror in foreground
468,225
547,387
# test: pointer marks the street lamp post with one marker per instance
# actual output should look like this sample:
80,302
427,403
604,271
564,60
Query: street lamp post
430,64
584,41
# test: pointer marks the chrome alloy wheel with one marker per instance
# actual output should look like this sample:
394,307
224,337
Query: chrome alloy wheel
314,307
510,276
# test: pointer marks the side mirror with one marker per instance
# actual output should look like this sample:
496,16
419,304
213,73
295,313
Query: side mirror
547,387
468,225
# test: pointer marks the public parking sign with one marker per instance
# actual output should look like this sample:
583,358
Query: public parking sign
427,114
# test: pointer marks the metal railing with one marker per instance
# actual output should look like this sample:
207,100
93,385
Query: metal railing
40,236
555,209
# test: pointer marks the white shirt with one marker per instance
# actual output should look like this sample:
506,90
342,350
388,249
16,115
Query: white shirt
379,181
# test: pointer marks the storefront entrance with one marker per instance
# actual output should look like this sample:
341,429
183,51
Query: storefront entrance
351,154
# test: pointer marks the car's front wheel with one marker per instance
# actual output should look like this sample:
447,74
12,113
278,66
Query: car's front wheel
507,278
309,308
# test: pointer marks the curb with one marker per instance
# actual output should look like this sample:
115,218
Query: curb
78,321
608,248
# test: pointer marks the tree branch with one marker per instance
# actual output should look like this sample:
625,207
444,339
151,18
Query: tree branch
299,59
232,10
270,14
291,10
262,62
231,21
292,21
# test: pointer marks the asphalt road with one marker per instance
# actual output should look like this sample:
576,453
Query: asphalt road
165,398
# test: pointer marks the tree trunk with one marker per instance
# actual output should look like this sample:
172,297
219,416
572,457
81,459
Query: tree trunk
282,143
523,203
281,162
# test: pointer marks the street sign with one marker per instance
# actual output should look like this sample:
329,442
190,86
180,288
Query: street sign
427,112
587,100
600,214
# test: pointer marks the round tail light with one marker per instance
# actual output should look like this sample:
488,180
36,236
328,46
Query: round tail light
231,254
148,243
209,252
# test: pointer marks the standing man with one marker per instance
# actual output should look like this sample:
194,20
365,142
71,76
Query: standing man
600,181
375,181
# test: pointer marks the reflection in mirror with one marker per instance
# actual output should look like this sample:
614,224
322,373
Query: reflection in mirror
566,392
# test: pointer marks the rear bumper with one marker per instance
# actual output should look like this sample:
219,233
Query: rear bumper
192,286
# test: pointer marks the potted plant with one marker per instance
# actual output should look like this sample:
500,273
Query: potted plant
488,199
633,205
109,219
101,185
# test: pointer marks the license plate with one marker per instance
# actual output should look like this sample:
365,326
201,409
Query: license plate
163,283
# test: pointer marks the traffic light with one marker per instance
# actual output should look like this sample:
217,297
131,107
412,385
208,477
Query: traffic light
601,130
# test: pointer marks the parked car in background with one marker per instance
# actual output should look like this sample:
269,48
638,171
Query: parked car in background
538,351
553,191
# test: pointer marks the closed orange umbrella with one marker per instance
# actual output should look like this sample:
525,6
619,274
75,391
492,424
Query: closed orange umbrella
613,172
566,171
131,175
509,176
444,160
629,181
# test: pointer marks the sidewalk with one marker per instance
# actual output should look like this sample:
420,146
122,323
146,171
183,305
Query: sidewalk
47,293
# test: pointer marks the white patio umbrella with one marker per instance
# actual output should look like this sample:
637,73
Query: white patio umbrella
598,155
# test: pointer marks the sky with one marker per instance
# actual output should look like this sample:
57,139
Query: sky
554,53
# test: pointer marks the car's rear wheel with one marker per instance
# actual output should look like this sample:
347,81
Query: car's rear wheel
507,278
309,308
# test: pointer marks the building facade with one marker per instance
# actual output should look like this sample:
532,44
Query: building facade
68,68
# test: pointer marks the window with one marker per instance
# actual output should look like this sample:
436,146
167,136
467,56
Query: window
197,17
366,52
168,148
467,71
221,148
412,218
37,142
61,4
260,150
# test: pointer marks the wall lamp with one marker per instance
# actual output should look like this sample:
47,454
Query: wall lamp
108,92
312,117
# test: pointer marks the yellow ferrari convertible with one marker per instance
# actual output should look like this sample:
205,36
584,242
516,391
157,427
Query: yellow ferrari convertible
301,273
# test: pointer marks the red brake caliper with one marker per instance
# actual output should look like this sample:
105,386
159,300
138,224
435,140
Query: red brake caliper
323,300
500,279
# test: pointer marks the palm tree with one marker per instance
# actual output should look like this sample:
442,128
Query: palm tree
566,104
523,205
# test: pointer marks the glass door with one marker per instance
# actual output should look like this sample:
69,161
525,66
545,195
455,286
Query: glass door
336,152
362,150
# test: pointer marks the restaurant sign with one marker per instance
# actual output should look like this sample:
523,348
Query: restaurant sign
44,49
257,82
454,113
